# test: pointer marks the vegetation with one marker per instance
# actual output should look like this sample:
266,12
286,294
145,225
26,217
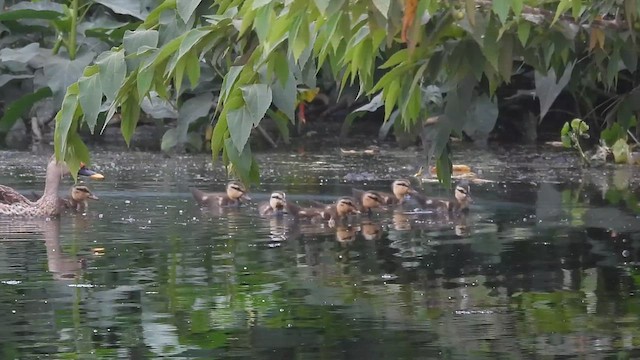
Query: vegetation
231,63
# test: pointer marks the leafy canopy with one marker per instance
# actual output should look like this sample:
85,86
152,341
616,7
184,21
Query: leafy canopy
396,52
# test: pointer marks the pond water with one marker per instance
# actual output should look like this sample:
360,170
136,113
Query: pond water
545,265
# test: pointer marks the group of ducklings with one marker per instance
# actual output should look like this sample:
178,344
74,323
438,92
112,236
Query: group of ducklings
361,201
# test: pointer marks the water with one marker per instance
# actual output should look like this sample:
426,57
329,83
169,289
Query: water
545,266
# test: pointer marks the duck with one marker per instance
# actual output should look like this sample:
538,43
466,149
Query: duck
343,206
276,204
459,204
368,200
400,188
78,199
14,204
235,194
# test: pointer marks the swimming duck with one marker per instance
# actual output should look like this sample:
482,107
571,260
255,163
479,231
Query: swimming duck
459,204
368,200
77,201
276,204
234,195
344,206
400,188
12,203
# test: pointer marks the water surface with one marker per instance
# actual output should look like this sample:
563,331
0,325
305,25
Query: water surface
545,265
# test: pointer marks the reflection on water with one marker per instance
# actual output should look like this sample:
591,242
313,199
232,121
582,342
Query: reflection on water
532,271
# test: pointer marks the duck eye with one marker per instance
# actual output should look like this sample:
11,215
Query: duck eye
236,188
276,197
461,190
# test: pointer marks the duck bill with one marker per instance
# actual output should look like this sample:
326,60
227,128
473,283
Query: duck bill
91,196
90,174
245,197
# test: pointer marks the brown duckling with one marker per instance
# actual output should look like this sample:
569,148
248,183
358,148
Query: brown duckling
368,200
400,189
459,203
276,204
78,199
234,195
341,208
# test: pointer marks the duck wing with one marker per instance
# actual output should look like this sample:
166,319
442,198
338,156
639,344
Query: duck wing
9,196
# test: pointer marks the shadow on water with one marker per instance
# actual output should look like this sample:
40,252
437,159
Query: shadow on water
537,269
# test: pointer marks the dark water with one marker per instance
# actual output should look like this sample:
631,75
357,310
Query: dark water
545,266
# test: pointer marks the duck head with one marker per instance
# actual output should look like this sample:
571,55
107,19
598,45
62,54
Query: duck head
277,201
402,188
237,191
346,205
81,193
462,193
371,200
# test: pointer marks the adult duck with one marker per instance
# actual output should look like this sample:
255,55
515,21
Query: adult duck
12,203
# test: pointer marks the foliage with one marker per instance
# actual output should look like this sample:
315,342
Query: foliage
572,133
393,50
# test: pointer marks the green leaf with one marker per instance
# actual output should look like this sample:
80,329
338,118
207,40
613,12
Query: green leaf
241,159
483,114
322,5
228,82
29,14
126,7
491,45
517,6
505,61
579,126
399,56
113,70
391,94
130,113
76,153
563,6
501,8
565,129
192,64
282,122
18,108
547,89
169,140
444,167
64,119
611,134
134,40
22,55
145,79
383,7
621,151
90,98
257,99
186,8
576,8
301,38
61,73
284,97
240,123
524,28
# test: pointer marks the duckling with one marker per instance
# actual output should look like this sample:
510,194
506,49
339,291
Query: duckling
275,205
367,200
459,204
236,193
78,199
341,208
400,188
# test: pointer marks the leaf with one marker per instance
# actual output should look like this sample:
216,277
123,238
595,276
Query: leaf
579,126
523,32
192,64
126,7
284,97
61,73
192,110
257,99
241,159
596,38
157,107
501,8
282,122
322,5
301,39
517,6
90,98
395,59
21,55
113,70
505,60
547,89
631,13
563,6
491,45
391,94
64,119
133,41
186,8
228,82
386,126
18,108
482,117
5,78
76,153
240,124
169,140
621,151
382,6
130,113
373,105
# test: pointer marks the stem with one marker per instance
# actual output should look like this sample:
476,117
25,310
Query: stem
576,143
73,32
